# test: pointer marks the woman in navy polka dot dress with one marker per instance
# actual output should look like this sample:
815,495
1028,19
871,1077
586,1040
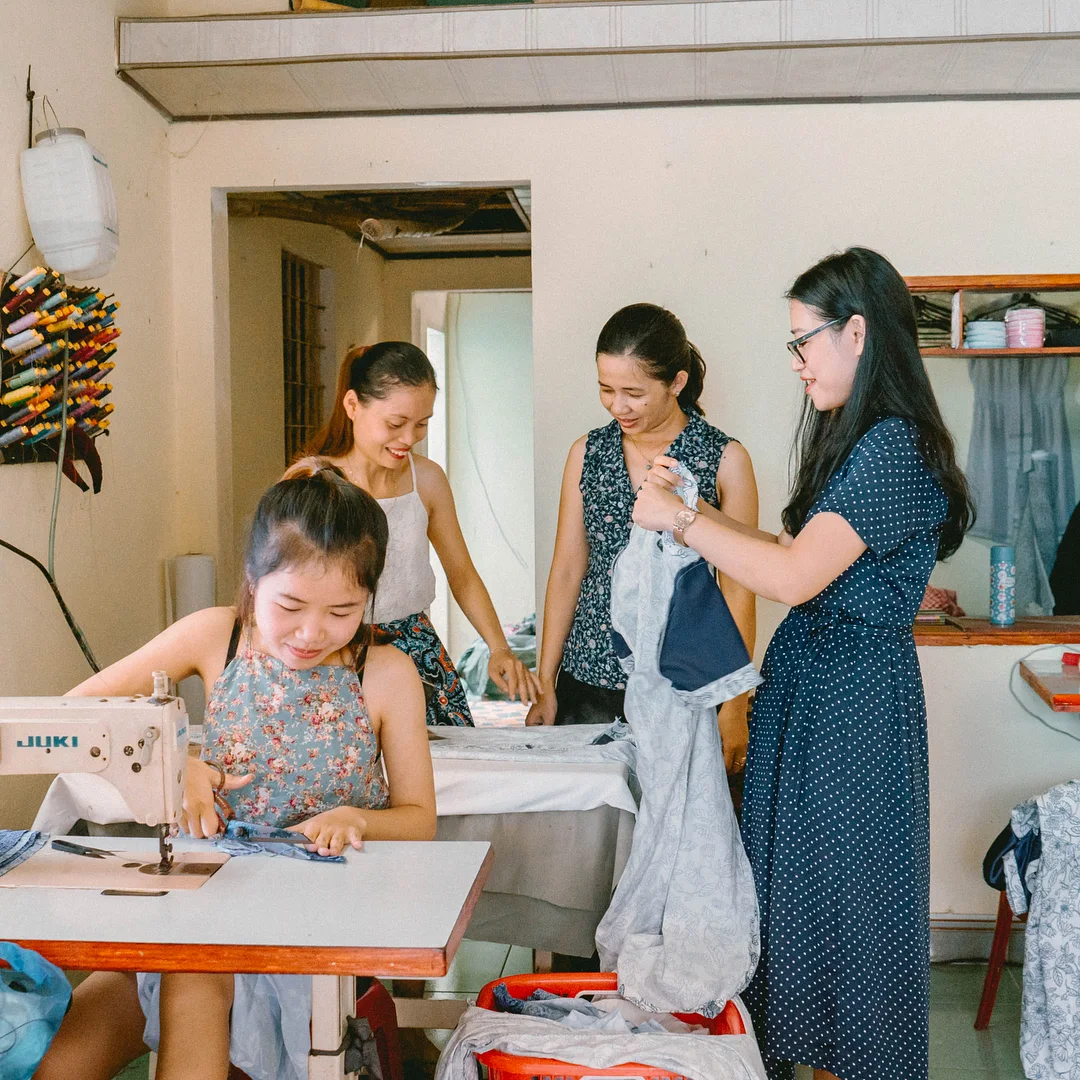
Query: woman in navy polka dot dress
835,813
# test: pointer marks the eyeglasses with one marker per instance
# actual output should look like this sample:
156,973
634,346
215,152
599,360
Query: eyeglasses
793,346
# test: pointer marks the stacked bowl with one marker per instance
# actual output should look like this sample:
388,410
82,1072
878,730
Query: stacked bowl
985,334
1025,328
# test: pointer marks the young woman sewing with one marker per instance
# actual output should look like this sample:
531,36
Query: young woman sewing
307,728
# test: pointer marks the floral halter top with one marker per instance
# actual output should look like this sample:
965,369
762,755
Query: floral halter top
608,500
306,735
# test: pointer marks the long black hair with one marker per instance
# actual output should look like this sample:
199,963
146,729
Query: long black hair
658,342
890,380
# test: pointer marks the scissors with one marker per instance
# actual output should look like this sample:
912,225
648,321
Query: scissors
78,849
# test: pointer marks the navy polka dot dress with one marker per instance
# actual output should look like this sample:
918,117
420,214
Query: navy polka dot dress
836,806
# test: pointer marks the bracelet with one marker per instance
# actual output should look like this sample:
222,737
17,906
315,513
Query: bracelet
220,785
502,648
225,812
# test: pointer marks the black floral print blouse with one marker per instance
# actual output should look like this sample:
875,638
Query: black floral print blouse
608,498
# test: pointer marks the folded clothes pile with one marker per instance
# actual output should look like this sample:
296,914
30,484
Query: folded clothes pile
611,1015
696,1055
17,845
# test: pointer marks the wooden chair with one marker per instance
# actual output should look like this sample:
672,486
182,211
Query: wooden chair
999,950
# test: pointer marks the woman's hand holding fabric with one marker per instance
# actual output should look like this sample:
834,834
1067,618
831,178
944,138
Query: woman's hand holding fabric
655,506
200,815
333,830
660,473
512,677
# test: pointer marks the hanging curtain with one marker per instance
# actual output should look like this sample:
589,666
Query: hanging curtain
1019,408
1037,539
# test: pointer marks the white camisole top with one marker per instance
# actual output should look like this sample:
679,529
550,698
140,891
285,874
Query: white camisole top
407,585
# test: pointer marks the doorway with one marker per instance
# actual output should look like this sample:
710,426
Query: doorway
480,343
446,268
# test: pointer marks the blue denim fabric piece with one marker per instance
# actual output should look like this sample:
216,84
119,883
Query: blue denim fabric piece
17,845
233,843
506,1002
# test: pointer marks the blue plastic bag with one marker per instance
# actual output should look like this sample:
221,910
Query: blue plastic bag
34,999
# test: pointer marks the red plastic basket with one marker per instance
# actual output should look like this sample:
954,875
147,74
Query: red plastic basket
503,1066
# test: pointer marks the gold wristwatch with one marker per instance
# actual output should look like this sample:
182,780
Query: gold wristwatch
683,520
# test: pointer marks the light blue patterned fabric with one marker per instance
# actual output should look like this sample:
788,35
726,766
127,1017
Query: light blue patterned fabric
1050,1020
682,928
243,838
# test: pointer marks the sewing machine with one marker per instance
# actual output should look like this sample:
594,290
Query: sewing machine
137,744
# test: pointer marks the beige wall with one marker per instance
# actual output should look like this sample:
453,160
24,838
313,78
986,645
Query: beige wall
711,211
110,546
255,332
403,277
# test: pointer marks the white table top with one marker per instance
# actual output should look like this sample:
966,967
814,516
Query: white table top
395,908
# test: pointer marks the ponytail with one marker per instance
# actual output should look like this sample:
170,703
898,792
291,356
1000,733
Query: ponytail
370,371
656,339
689,397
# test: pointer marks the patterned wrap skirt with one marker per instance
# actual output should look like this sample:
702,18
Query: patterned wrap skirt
447,704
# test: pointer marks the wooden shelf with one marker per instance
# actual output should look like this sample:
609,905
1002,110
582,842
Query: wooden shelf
1046,630
1065,350
996,283
991,283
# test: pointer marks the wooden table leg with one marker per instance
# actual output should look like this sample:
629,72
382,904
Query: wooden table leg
333,1001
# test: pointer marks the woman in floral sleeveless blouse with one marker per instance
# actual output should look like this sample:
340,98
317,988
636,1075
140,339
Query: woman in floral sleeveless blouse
651,378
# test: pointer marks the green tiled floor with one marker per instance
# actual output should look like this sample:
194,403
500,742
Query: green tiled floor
957,1050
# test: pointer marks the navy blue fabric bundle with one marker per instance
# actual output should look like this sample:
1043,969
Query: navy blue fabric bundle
702,642
1026,848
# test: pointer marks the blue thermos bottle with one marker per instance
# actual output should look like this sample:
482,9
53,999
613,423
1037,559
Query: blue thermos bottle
1002,585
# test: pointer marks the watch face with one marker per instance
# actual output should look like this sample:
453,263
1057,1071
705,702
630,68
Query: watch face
685,518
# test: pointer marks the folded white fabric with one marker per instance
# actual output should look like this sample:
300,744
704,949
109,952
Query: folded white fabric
696,1057
473,775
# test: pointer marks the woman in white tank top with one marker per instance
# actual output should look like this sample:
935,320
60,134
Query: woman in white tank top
384,400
